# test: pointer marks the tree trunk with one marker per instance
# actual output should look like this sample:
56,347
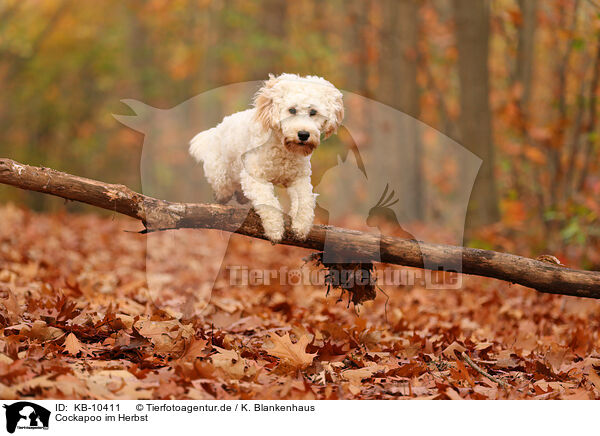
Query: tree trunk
472,36
525,53
398,88
355,46
273,21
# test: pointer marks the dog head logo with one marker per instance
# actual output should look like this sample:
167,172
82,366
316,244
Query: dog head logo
413,178
26,415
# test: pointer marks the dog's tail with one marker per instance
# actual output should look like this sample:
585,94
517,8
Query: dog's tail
199,145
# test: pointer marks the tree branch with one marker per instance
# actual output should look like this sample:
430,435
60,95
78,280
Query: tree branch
161,215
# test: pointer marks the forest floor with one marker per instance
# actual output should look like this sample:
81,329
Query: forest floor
79,321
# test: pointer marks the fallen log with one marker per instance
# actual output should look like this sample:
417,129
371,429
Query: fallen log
158,214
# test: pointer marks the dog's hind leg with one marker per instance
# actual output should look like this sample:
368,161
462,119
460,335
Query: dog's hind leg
241,198
222,200
216,170
216,173
223,192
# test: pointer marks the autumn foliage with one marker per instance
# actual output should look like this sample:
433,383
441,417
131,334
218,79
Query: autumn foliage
78,322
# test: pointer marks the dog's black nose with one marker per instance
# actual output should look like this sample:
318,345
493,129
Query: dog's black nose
303,135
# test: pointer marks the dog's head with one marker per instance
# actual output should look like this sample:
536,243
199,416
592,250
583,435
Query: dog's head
299,109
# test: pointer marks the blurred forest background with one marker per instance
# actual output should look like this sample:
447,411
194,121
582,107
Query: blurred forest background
514,81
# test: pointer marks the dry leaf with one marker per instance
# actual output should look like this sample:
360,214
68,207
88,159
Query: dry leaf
82,323
168,337
293,354
72,344
555,357
595,379
229,361
41,331
453,348
355,376
12,306
505,360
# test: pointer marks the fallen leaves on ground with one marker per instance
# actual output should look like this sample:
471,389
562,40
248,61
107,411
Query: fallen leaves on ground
78,321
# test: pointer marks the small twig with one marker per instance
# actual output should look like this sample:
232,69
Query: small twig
477,368
485,362
387,298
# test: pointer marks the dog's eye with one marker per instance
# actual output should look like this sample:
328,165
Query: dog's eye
313,112
292,110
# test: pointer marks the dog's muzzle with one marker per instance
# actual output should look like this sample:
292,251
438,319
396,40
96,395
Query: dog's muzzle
304,147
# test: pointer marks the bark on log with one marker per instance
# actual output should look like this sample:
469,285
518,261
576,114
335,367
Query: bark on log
164,215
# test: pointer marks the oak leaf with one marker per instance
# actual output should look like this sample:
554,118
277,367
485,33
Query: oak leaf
555,357
167,336
72,344
594,378
452,348
12,306
232,363
355,376
41,331
293,354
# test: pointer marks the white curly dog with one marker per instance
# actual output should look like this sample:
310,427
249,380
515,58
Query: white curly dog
271,144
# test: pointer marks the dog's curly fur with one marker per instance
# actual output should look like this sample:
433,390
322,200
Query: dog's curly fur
251,151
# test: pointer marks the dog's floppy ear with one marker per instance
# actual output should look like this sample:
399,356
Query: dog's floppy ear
263,102
332,124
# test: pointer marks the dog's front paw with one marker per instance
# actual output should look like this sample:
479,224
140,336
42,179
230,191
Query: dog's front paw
301,229
272,222
274,233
